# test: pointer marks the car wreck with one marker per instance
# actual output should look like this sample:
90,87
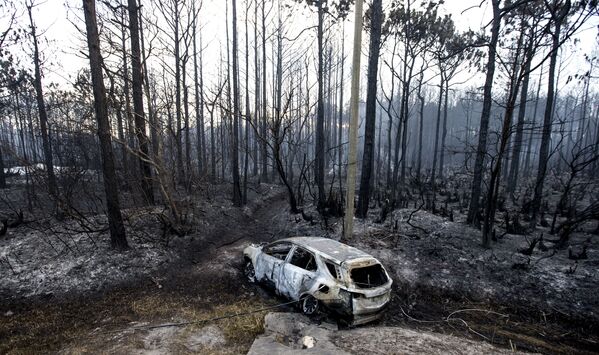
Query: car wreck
322,273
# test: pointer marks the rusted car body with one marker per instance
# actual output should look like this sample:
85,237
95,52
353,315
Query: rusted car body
322,272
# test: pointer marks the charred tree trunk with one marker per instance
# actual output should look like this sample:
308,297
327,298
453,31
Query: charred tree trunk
43,115
138,105
532,126
237,201
369,130
118,236
199,100
547,119
436,146
515,165
483,132
2,175
264,120
421,125
444,132
319,147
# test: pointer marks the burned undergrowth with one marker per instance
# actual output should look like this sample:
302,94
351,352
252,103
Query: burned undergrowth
95,306
443,282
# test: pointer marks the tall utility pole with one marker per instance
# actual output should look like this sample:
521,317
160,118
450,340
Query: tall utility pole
353,123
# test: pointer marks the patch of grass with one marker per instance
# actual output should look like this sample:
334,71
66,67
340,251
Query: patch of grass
237,329
38,330
52,327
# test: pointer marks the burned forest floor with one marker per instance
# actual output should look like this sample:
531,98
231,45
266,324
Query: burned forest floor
64,290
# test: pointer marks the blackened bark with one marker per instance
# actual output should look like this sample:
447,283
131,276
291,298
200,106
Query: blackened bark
199,107
319,147
118,236
444,132
43,115
2,176
437,128
138,104
547,119
515,164
420,125
264,147
483,132
369,130
235,129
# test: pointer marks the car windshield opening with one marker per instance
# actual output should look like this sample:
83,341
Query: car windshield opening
369,276
278,250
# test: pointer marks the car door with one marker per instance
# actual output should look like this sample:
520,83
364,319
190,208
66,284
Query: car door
268,266
299,273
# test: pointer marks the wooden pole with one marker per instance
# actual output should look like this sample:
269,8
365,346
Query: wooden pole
353,123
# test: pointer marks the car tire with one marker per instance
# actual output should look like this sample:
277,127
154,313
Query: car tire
249,272
309,305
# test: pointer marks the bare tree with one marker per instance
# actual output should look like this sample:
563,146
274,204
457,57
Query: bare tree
237,200
41,107
376,21
138,104
118,236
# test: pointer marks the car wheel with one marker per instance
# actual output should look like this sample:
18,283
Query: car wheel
249,272
309,305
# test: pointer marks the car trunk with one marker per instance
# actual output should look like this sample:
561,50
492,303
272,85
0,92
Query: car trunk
368,276
370,286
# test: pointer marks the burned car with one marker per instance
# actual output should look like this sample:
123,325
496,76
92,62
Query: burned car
322,273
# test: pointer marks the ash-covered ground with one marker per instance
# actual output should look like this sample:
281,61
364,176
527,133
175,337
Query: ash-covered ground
68,292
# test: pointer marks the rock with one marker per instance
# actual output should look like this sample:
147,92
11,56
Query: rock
308,342
208,337
292,333
399,340
158,340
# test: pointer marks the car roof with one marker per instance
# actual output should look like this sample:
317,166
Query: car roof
330,248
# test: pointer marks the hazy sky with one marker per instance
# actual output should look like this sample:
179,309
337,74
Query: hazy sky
55,17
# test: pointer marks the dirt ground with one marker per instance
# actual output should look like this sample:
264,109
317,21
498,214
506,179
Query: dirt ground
77,300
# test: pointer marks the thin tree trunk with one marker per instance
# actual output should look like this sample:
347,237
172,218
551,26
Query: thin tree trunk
340,117
444,132
264,171
178,144
237,201
199,106
43,115
2,175
420,125
547,119
257,118
483,132
138,104
248,117
515,164
319,148
437,128
532,126
152,120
